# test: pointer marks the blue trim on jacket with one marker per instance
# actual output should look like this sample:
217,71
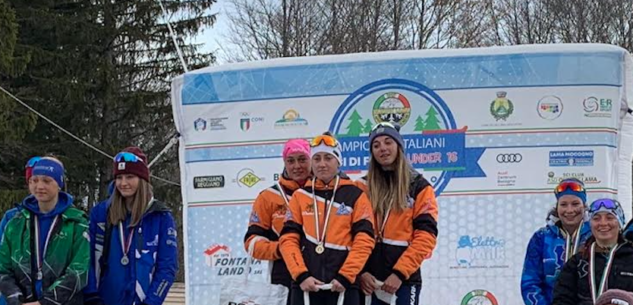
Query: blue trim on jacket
544,260
153,259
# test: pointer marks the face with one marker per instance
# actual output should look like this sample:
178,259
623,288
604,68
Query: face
385,150
325,166
605,228
44,188
297,166
32,186
570,210
127,184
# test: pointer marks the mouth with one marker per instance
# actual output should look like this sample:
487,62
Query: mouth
603,230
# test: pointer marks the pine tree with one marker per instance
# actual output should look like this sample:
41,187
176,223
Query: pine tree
102,70
368,127
15,121
355,127
419,124
8,36
432,122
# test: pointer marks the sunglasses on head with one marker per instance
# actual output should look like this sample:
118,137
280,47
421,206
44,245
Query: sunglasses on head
32,162
599,204
127,157
383,124
325,139
574,186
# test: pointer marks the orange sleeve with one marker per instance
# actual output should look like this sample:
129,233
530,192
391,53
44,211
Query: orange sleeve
363,241
361,184
290,241
425,215
260,224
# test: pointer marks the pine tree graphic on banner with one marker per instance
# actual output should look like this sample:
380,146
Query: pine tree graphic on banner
419,124
355,127
432,122
368,127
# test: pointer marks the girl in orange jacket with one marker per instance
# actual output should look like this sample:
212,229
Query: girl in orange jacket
406,219
270,208
328,235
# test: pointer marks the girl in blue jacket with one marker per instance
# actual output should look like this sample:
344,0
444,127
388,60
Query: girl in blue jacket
133,240
551,246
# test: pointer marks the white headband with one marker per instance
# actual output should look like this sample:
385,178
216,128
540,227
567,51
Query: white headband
334,151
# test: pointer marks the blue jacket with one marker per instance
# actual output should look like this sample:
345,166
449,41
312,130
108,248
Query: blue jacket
153,259
544,260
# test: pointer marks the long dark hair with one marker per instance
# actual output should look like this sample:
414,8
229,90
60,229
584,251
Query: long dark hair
586,248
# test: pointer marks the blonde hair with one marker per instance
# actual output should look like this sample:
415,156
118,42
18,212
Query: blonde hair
384,192
118,210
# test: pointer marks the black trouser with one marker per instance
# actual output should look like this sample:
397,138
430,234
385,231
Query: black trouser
325,297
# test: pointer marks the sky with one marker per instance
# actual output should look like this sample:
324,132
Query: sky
215,36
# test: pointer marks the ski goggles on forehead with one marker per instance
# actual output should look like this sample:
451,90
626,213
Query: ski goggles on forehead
325,139
32,162
383,124
603,204
569,185
127,157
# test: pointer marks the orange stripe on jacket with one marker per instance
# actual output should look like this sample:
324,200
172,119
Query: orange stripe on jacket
410,235
348,240
267,219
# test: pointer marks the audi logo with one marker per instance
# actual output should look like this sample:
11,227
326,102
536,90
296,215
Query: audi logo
509,158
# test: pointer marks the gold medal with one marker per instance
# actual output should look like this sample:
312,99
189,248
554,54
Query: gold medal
320,238
319,248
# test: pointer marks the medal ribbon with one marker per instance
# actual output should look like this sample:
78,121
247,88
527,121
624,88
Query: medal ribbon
571,249
321,238
125,243
283,194
381,230
40,255
595,294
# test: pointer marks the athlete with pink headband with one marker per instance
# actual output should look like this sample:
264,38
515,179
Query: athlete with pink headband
270,206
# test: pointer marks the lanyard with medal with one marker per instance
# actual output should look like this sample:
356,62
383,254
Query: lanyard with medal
570,249
595,293
283,194
125,244
381,230
320,248
40,254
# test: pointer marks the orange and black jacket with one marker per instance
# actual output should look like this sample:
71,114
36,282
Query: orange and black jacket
349,238
409,236
267,220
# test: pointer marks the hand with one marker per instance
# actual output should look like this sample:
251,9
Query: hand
367,283
337,287
392,284
310,284
32,303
